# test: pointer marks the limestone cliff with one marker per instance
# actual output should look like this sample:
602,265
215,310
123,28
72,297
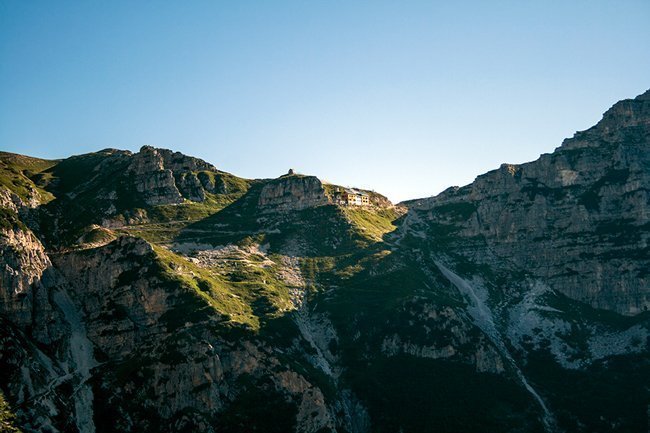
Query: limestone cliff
166,177
578,218
292,192
24,261
115,188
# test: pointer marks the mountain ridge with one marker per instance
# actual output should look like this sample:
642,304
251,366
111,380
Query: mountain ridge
151,291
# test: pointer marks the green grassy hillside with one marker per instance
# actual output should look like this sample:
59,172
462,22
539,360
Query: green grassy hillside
26,177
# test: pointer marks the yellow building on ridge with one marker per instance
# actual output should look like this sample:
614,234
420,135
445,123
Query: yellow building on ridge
351,197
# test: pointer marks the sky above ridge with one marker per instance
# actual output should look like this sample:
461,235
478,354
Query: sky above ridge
405,98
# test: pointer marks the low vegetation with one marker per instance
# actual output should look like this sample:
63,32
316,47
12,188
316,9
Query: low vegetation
372,223
25,176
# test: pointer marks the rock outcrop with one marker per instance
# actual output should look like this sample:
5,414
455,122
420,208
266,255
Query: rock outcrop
292,192
166,177
25,274
24,261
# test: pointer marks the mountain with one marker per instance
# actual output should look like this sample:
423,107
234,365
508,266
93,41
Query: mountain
153,292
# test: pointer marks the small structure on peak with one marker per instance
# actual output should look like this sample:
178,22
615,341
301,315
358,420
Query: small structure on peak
351,197
290,172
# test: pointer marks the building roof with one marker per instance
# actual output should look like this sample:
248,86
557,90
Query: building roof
354,191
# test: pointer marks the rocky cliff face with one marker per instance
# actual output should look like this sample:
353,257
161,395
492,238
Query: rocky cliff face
113,188
138,320
292,192
166,177
578,218
151,292
24,262
133,341
26,271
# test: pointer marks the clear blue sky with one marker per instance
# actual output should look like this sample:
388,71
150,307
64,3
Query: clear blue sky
403,97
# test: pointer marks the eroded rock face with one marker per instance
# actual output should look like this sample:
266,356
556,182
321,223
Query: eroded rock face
578,218
445,335
122,306
32,378
144,324
166,177
9,200
24,262
292,192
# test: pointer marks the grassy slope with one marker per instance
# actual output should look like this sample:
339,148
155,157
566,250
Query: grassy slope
82,185
372,223
329,235
26,176
165,222
245,293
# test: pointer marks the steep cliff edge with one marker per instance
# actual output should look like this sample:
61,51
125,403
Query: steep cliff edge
292,192
166,177
578,218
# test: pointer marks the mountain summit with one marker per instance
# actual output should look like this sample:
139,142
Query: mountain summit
153,292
